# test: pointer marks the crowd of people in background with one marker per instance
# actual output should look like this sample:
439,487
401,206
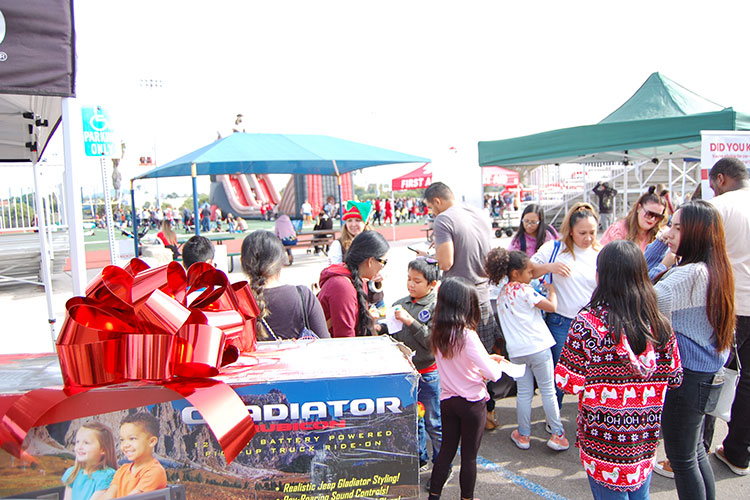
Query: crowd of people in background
638,323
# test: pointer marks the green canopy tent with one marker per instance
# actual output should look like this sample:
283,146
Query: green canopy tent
662,121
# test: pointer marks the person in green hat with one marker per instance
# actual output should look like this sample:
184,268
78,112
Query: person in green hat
356,220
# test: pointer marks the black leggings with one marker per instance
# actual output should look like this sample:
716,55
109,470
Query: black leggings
463,421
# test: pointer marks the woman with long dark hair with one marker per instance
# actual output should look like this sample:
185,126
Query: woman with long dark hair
643,221
533,232
463,365
286,310
342,293
619,358
698,297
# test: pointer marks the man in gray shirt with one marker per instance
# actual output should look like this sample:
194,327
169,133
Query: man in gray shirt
462,242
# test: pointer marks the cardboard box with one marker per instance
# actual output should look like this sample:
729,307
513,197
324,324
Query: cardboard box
336,419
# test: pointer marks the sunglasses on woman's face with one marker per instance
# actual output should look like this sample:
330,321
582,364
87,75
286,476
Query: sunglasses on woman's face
383,262
652,215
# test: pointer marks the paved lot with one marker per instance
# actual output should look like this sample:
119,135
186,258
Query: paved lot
504,471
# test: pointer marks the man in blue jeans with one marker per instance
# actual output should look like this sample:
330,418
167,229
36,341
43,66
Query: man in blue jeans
729,180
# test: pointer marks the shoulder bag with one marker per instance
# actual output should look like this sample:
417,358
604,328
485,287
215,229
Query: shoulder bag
725,400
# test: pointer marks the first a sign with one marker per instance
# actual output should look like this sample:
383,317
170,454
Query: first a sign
98,137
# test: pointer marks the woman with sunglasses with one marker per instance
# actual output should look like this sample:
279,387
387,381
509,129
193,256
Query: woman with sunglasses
698,297
571,263
533,232
642,223
342,292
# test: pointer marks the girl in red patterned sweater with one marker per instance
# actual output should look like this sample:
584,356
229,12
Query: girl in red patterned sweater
620,357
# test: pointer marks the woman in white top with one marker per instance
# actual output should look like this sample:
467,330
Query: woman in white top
571,263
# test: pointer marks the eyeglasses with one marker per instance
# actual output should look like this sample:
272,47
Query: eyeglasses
530,222
382,261
652,215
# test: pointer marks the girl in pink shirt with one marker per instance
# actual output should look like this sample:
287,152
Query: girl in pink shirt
464,366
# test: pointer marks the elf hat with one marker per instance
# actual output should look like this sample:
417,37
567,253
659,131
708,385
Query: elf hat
357,210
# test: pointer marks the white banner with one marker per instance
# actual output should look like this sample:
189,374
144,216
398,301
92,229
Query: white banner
718,144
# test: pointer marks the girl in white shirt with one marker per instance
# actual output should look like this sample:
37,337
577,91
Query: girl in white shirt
573,271
519,308
463,365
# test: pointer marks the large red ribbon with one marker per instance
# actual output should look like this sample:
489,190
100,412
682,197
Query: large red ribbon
136,329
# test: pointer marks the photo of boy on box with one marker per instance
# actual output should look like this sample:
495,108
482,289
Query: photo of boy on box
139,434
95,463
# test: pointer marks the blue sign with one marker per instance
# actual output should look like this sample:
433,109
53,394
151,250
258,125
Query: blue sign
98,137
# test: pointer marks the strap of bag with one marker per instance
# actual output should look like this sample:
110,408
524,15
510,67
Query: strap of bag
737,360
553,257
304,306
268,328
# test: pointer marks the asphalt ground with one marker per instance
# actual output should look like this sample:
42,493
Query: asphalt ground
504,471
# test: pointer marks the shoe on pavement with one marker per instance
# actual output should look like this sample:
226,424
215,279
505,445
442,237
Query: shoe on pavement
491,423
664,469
523,442
558,443
425,467
740,471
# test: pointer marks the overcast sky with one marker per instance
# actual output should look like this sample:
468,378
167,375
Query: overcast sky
420,77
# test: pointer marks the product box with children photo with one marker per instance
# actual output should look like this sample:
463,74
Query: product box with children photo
335,419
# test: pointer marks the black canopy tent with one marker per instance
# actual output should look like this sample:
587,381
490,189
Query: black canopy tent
37,70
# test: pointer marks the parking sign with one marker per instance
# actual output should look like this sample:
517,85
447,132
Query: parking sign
98,137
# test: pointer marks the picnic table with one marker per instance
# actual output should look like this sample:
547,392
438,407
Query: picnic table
216,238
311,239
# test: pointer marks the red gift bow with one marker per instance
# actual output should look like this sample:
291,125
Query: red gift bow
134,325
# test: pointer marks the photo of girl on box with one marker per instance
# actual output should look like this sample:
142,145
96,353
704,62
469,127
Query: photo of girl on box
95,463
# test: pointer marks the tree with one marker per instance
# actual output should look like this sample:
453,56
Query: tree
202,198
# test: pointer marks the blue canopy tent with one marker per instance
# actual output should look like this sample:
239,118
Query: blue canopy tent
243,153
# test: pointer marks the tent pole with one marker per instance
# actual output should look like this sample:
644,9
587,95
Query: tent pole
194,176
71,130
134,216
341,196
46,276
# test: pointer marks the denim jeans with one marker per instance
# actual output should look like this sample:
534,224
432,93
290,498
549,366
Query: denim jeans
558,327
428,393
681,428
601,492
539,366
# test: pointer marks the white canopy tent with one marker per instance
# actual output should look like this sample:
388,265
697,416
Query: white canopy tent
38,76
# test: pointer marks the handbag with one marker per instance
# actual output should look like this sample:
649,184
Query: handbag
725,400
